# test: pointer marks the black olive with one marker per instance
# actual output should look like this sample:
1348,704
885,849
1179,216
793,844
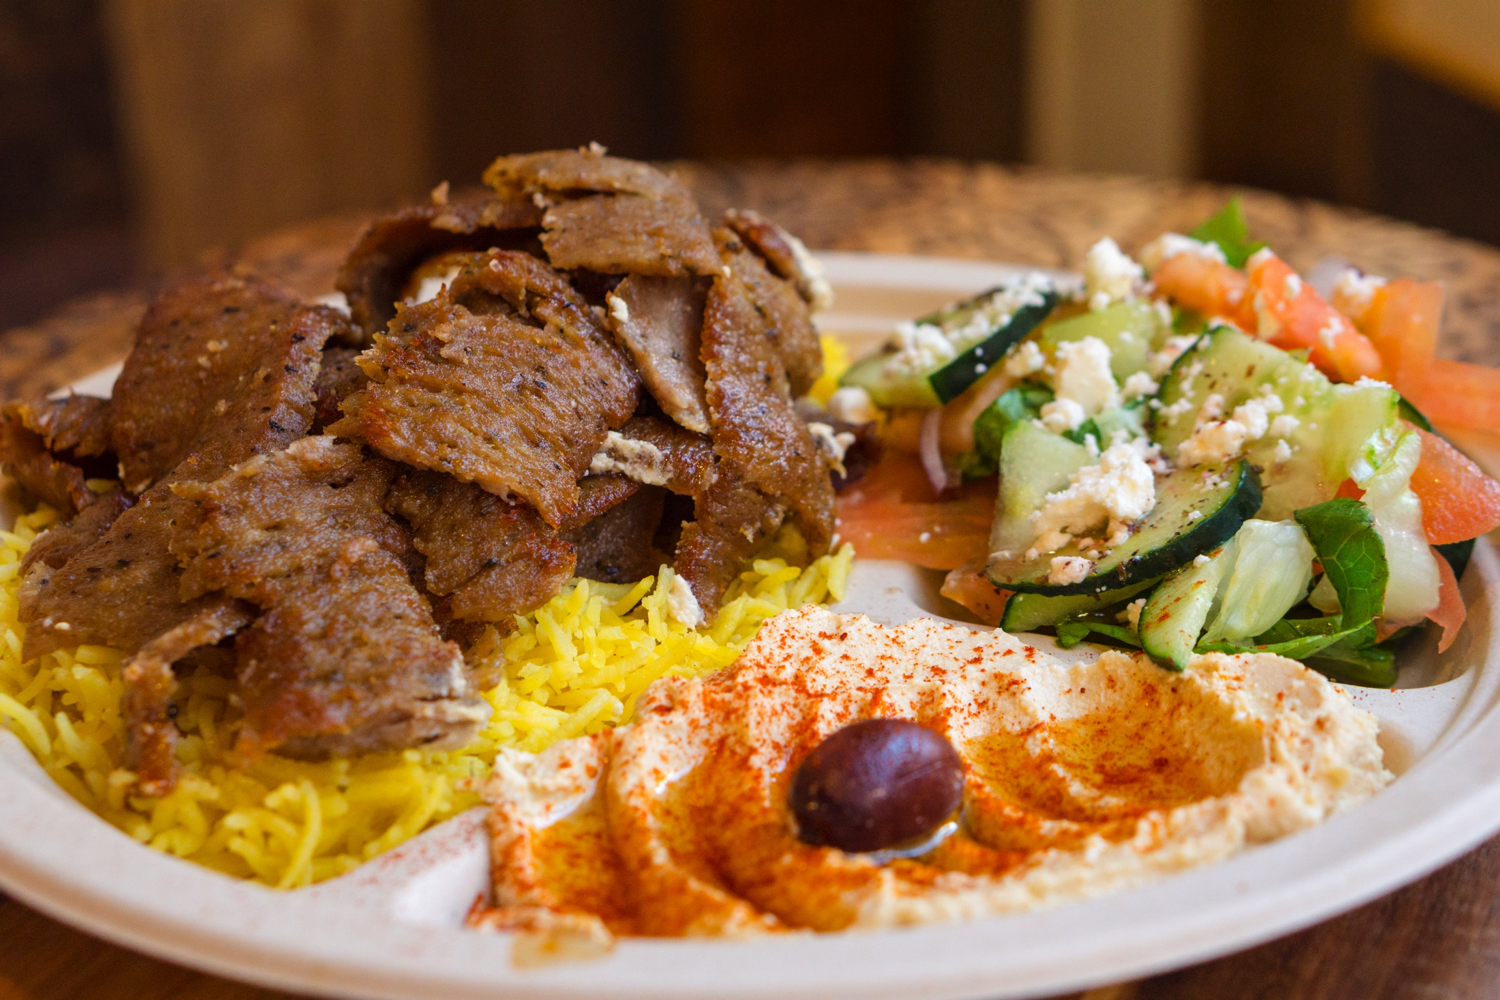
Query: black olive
876,784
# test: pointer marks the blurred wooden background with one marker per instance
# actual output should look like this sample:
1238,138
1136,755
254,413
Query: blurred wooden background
135,134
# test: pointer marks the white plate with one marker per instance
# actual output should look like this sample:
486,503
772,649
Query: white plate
393,927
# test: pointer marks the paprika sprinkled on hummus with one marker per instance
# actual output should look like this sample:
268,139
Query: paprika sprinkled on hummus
1080,779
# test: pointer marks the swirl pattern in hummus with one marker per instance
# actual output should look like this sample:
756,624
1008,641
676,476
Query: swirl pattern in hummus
1081,779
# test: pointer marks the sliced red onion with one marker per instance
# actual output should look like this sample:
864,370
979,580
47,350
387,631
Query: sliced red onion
932,455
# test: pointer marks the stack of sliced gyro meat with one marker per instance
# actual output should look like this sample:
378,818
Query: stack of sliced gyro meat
569,372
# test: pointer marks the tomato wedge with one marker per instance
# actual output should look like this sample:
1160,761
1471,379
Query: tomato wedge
969,587
1458,500
1285,310
1460,395
1402,322
1450,612
890,514
1211,287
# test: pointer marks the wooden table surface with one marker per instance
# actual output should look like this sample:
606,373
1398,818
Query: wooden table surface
1438,939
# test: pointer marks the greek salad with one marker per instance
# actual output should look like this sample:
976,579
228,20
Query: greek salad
1192,450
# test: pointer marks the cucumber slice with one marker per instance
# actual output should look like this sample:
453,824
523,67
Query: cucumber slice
1176,610
1196,510
935,358
1270,575
1333,423
1129,328
1029,612
1033,463
1131,418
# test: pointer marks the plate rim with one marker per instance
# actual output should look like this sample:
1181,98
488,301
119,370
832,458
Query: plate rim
201,919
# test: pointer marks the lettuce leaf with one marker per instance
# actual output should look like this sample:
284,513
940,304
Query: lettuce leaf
1024,402
1229,231
1342,531
1372,667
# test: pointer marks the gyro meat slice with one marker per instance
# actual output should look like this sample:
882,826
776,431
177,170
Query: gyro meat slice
506,379
61,542
120,590
48,477
628,234
150,684
391,247
658,320
755,428
784,316
75,424
339,377
785,253
609,214
345,657
492,558
223,368
619,546
732,519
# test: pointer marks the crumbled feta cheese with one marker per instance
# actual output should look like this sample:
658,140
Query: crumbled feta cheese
1353,292
1267,325
1119,490
852,404
1137,385
1108,274
1201,560
1272,402
1024,359
1132,613
682,605
1195,515
1329,335
619,311
1258,258
1366,382
1216,440
1293,286
810,281
641,461
431,287
1169,245
1091,445
1084,376
1069,569
1170,352
920,347
334,300
1061,415
833,446
1282,452
1284,425
1252,414
1169,414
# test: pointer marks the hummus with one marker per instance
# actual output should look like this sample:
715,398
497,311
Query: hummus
1080,779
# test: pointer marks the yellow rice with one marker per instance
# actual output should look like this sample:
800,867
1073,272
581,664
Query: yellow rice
573,666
